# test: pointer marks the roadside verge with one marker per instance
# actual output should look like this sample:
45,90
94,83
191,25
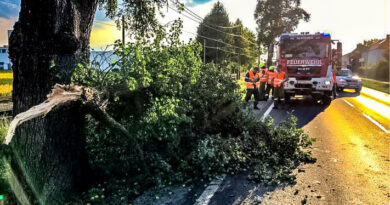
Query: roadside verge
376,95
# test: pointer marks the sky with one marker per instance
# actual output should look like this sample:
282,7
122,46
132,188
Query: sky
350,21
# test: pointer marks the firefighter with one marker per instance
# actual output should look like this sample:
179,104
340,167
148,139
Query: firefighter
279,80
252,85
334,84
270,78
263,81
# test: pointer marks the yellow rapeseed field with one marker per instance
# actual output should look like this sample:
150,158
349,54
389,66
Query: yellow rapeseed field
6,89
6,75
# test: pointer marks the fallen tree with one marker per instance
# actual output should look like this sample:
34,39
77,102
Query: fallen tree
61,95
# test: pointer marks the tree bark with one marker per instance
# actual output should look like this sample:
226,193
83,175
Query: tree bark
49,39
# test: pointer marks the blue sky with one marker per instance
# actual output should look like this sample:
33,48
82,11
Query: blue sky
9,8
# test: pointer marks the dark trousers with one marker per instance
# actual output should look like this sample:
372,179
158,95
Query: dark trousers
278,96
249,93
334,91
262,90
267,91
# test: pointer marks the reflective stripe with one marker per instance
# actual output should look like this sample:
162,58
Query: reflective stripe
271,76
249,85
263,77
279,79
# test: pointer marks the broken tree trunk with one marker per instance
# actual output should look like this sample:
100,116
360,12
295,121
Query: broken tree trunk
90,100
87,99
49,39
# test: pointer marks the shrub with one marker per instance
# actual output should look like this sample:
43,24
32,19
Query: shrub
4,187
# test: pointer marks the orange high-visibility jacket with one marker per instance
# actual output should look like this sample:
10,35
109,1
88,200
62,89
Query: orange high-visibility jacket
279,79
334,78
263,77
271,76
249,85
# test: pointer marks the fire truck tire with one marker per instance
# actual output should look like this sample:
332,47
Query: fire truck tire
326,99
358,90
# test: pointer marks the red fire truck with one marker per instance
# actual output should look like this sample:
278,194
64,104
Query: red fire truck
307,59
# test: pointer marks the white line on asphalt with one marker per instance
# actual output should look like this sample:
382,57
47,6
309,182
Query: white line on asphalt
350,104
376,123
209,192
268,111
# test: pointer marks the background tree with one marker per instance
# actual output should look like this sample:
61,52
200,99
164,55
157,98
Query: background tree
274,17
48,159
217,19
244,42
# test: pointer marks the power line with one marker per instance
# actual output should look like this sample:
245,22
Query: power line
102,22
213,39
193,14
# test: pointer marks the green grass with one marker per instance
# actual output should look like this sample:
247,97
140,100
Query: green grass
376,85
4,186
4,81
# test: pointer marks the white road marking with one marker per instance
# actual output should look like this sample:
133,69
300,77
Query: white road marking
268,111
209,192
376,123
350,104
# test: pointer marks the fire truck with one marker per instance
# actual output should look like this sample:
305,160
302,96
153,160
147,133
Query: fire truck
308,60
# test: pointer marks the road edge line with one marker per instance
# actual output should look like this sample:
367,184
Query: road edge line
376,123
350,104
268,111
210,190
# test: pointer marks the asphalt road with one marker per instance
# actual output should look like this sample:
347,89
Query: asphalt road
353,160
352,151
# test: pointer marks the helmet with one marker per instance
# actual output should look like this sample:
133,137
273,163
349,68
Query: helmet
271,68
262,65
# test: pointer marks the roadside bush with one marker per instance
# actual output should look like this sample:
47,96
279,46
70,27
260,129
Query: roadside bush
4,187
188,119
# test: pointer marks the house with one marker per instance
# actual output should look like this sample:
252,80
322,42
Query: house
370,57
375,52
5,63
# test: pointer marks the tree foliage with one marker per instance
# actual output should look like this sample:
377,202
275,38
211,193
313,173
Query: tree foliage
245,40
274,17
217,19
139,16
187,117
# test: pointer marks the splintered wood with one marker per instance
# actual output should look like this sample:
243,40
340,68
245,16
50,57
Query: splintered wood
60,94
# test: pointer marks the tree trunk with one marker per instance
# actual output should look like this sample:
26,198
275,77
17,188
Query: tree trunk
270,54
49,161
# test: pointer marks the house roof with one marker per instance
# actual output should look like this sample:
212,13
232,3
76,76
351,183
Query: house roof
383,44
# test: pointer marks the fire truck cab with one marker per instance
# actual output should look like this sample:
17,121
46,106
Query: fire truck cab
307,59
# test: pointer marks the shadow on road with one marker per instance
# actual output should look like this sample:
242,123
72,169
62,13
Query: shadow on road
304,108
236,189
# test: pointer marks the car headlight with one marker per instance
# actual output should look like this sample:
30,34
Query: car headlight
342,81
356,77
327,82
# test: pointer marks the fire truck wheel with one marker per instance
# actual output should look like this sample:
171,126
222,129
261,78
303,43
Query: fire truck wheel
326,100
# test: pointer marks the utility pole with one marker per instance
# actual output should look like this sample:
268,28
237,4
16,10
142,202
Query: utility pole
123,30
204,51
239,52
